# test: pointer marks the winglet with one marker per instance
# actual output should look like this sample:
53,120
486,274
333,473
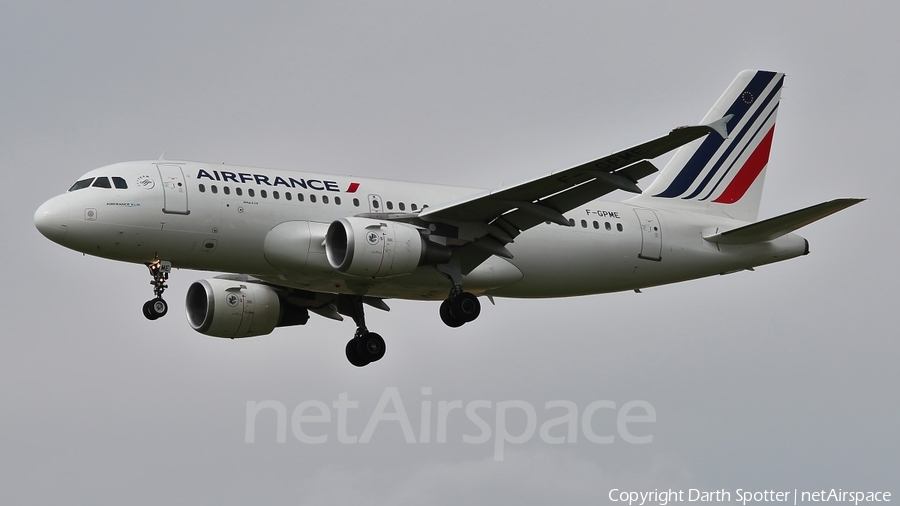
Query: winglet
720,126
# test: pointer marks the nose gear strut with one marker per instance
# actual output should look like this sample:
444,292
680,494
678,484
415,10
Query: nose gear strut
159,271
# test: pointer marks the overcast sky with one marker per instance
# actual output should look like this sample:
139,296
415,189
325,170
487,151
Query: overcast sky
782,378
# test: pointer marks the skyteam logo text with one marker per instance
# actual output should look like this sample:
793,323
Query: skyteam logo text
262,179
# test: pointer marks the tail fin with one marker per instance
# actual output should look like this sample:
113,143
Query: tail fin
724,176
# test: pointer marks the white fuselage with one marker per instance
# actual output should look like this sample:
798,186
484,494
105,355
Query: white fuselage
191,215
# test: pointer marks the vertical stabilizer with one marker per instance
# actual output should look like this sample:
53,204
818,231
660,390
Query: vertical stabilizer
724,176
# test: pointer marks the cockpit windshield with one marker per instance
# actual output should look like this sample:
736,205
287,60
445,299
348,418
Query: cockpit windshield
84,183
100,182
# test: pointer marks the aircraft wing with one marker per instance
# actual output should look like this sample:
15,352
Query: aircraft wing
494,218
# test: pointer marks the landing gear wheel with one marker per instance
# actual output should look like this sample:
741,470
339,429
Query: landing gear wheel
465,307
371,346
159,271
156,308
447,316
353,354
365,347
146,310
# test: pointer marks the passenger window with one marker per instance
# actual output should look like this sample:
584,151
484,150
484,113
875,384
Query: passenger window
226,190
287,195
337,201
596,226
238,191
84,183
312,198
402,206
299,197
608,226
214,189
102,182
324,199
413,207
263,193
583,224
275,195
390,205
355,202
619,227
375,204
202,188
251,192
119,183
571,222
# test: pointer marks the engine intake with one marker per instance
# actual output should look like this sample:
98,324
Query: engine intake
373,248
225,308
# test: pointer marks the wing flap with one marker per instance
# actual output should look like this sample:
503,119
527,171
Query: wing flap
579,195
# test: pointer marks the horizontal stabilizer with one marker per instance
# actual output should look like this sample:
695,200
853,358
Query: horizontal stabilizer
774,228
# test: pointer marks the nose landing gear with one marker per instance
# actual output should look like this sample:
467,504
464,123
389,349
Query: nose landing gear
156,308
159,271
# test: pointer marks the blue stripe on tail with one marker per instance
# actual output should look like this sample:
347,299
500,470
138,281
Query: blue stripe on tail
711,144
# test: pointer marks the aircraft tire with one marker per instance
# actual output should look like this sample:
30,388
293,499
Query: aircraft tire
148,311
448,317
353,354
465,307
371,347
157,307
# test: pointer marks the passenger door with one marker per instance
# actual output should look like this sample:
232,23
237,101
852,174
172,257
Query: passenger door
174,189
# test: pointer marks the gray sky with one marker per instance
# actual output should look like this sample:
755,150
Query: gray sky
779,379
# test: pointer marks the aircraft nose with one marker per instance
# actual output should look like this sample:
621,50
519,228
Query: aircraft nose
52,218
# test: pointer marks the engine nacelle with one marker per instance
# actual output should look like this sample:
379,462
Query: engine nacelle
225,308
296,246
374,248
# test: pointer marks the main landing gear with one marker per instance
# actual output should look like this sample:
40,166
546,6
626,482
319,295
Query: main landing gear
365,347
157,307
460,308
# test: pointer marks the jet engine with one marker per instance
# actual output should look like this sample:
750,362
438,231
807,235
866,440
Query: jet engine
375,248
226,308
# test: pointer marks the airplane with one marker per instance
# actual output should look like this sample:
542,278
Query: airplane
291,243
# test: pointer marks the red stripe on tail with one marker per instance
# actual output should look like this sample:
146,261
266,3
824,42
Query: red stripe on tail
748,173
